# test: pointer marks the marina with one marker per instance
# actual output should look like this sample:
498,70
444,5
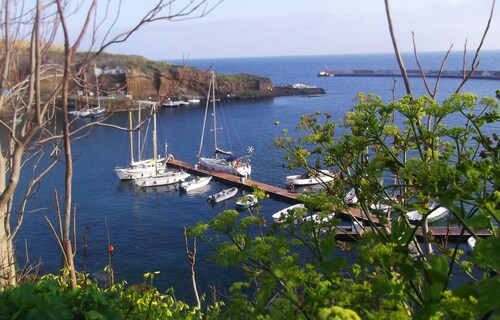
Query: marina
450,233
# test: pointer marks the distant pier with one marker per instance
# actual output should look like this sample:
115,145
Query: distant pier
480,74
280,194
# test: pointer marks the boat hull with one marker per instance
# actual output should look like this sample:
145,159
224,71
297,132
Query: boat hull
168,177
282,215
223,195
196,183
141,169
437,214
237,169
304,180
246,202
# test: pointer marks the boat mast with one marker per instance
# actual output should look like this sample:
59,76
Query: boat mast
213,110
97,87
139,135
205,120
154,140
131,135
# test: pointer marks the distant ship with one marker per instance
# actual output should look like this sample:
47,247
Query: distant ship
326,73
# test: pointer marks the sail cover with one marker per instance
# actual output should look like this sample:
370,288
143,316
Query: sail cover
217,150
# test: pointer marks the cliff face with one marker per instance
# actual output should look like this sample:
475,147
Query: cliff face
120,75
187,83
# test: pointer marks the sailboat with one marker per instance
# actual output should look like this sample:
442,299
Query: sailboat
222,160
160,176
141,168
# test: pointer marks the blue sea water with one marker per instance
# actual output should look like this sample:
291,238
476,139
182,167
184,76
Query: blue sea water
146,226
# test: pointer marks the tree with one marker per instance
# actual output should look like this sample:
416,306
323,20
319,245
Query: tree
28,104
402,155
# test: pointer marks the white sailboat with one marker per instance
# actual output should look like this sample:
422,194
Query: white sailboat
222,160
160,177
141,168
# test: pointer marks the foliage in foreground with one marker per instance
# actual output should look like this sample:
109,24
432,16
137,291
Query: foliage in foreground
405,154
51,298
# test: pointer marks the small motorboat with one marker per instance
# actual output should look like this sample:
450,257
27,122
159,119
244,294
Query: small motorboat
195,183
310,178
247,201
223,195
282,215
471,241
436,214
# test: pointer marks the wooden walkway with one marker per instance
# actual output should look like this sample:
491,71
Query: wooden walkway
242,183
451,234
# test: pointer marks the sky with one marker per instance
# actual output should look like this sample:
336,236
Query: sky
261,28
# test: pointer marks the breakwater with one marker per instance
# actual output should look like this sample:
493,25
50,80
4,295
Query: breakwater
481,74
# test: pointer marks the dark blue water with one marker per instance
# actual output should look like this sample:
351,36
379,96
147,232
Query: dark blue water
146,226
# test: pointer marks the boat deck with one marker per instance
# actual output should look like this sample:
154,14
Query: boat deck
280,194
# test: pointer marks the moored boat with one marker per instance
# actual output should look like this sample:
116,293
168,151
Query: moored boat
223,195
246,201
195,183
282,215
143,168
310,178
435,214
222,160
161,179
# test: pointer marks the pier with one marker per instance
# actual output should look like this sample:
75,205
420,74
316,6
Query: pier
451,233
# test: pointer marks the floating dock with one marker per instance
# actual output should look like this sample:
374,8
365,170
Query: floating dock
451,233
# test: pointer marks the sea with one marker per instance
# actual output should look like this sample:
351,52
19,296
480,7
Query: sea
145,226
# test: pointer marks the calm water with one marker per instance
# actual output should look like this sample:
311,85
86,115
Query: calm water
146,227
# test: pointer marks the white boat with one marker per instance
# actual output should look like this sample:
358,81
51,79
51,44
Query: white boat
195,183
436,214
310,178
194,101
222,160
282,215
142,168
223,195
471,241
161,179
160,176
351,198
97,112
246,201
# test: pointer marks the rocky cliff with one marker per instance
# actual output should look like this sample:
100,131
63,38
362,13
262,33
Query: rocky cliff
121,75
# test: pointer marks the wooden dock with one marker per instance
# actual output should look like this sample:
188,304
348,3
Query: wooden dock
451,234
242,183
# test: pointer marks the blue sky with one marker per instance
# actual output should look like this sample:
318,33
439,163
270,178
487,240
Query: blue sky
253,28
